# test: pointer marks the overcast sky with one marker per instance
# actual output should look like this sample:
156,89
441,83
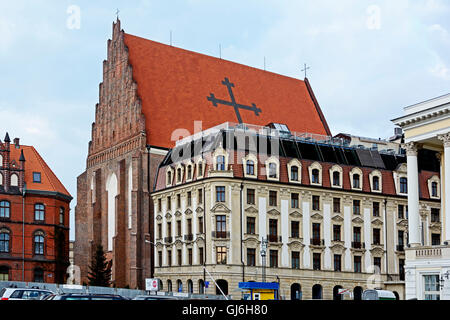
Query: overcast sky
368,59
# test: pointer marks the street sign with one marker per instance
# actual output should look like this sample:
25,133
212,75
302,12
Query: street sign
206,284
151,284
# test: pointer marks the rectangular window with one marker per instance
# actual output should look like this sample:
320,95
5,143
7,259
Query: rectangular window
295,229
169,203
401,268
403,185
200,196
273,230
221,254
376,209
273,198
159,205
36,177
189,226
250,196
221,227
295,260
357,264
169,258
251,223
294,200
316,203
401,211
377,262
337,262
178,201
160,258
357,207
189,198
274,258
432,287
178,228
169,229
251,257
220,194
435,215
336,232
179,257
159,230
336,205
190,256
200,255
200,224
357,237
435,239
316,261
376,236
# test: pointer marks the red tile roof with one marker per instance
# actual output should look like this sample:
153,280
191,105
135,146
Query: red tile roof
174,84
35,163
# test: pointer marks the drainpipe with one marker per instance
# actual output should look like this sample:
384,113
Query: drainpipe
152,253
242,253
385,236
23,233
204,232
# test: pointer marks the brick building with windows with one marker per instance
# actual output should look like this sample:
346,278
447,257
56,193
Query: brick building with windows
34,217
334,217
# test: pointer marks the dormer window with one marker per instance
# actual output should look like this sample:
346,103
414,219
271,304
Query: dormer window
169,176
376,183
403,185
179,175
250,167
336,179
294,173
14,180
272,170
220,166
315,176
189,172
36,177
356,184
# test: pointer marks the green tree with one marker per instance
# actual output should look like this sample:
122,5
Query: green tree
100,269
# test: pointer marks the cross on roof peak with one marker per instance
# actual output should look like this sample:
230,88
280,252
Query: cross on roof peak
305,69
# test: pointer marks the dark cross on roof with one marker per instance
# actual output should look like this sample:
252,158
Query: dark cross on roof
233,103
305,68
117,13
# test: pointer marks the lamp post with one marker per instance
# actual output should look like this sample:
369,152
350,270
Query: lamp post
263,256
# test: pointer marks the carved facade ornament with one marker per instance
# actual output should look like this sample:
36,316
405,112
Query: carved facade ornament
251,210
159,217
177,213
445,138
295,214
377,222
296,245
188,212
274,212
199,210
377,251
168,215
411,148
337,218
251,242
402,223
316,216
338,248
358,220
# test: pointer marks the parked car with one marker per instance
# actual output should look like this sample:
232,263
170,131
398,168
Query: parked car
155,297
24,294
378,295
83,296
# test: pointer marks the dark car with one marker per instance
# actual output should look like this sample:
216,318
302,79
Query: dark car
82,296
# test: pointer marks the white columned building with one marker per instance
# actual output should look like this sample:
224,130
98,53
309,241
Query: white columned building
426,126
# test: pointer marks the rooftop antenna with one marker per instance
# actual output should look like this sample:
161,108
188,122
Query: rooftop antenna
170,37
264,63
220,51
305,68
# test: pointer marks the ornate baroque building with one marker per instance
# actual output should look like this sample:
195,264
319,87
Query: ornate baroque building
151,95
334,217
34,217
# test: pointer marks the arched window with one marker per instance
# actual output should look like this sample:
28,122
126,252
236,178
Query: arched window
336,178
189,172
39,243
296,291
272,170
161,285
14,180
317,292
315,176
200,169
169,285
220,163
403,185
190,286
356,184
294,173
201,286
250,167
5,209
4,241
38,275
376,183
336,295
357,293
61,215
223,284
179,175
4,273
179,286
169,177
39,212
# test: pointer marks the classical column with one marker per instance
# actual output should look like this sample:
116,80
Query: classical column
413,194
445,169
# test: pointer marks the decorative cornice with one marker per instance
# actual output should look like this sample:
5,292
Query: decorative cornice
445,138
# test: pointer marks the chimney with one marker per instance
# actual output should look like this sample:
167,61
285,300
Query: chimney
17,143
398,131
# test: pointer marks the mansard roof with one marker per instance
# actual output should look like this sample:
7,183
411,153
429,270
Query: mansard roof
174,85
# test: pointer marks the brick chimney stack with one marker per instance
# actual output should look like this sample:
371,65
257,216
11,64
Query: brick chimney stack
22,168
17,143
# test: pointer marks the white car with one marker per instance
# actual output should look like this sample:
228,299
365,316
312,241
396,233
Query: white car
23,294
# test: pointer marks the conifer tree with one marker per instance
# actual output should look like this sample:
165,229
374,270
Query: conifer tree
100,269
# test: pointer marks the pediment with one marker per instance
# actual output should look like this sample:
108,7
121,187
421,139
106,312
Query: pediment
403,223
337,247
274,212
377,222
357,220
296,245
220,208
168,215
316,216
337,218
199,240
251,210
377,251
188,212
177,213
295,214
251,242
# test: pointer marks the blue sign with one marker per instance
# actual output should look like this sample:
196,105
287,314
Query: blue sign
206,284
